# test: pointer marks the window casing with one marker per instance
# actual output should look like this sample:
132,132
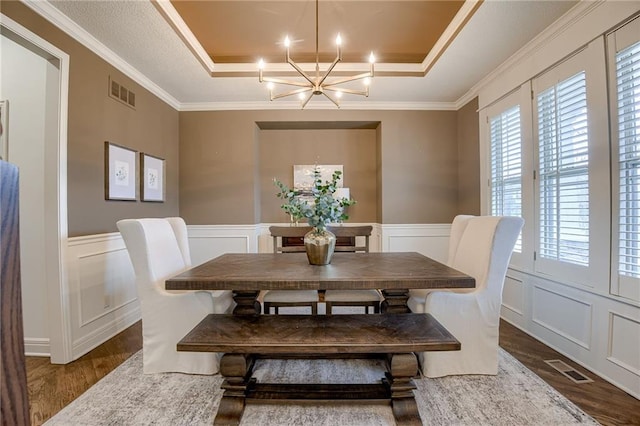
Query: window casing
624,73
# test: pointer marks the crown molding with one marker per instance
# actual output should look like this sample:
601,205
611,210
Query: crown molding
293,105
57,18
562,24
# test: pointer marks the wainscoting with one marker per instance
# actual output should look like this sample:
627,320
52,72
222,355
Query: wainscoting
600,332
102,294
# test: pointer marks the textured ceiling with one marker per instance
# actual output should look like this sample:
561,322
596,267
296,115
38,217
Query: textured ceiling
140,35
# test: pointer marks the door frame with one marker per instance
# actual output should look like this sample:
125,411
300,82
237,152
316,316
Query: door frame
55,203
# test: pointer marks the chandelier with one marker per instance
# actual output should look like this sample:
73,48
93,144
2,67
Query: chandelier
317,84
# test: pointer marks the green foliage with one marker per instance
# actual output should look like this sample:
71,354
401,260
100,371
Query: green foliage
323,209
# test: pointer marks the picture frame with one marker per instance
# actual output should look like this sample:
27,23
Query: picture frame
152,178
120,182
4,130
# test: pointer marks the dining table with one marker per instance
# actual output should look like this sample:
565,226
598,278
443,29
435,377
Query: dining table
246,274
246,335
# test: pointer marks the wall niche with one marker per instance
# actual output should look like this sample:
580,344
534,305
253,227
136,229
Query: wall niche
354,144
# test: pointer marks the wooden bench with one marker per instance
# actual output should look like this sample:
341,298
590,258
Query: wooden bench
393,337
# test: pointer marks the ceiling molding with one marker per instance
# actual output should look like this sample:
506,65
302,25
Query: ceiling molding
293,105
176,22
173,18
565,22
455,26
57,18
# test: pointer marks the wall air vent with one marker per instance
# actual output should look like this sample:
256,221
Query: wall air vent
121,93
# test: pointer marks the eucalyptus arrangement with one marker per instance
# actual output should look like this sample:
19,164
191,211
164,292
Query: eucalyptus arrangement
320,211
324,208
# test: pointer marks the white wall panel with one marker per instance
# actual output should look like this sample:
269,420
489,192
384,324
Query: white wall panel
429,240
624,342
569,317
513,296
207,242
103,296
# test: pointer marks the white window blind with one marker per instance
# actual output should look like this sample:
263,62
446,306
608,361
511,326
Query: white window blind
564,171
506,165
628,109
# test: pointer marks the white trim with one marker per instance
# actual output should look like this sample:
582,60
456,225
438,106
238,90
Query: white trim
94,339
57,18
540,322
565,22
55,204
37,347
610,358
288,105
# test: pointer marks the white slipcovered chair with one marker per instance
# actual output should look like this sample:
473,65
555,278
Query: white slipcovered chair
480,247
159,249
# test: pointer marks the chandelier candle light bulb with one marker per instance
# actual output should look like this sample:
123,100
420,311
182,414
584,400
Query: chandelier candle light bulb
317,84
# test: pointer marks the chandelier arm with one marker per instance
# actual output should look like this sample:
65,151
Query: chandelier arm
348,79
289,93
304,104
331,99
300,70
287,82
333,64
349,91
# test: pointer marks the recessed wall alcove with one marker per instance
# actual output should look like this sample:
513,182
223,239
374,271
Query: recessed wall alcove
353,144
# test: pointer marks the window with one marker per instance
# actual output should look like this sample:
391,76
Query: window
624,65
564,171
572,180
506,165
628,87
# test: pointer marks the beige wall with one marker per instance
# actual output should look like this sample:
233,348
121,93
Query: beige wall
95,118
354,149
417,181
469,159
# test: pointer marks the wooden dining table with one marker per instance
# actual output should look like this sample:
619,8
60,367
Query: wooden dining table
246,336
249,273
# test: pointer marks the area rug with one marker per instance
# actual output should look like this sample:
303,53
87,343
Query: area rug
516,396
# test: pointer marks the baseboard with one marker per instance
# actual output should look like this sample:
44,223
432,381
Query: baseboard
37,347
106,332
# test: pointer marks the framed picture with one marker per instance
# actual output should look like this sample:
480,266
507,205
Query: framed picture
151,178
120,172
4,130
303,175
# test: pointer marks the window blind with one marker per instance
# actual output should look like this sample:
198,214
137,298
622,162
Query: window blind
628,89
564,171
506,166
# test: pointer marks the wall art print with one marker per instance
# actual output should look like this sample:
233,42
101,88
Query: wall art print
151,178
120,172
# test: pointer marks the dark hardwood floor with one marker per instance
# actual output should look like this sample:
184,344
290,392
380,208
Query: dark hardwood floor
51,387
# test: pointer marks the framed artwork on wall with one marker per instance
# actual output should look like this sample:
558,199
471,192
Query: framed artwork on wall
151,178
120,173
4,130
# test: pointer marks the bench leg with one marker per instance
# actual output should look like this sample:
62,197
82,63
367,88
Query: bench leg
236,370
395,301
246,303
402,368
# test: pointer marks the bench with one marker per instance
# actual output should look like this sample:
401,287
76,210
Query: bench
244,338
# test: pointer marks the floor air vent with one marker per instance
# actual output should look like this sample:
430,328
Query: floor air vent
568,371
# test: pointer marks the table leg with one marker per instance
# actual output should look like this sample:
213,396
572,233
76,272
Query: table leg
402,368
246,302
236,370
395,301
